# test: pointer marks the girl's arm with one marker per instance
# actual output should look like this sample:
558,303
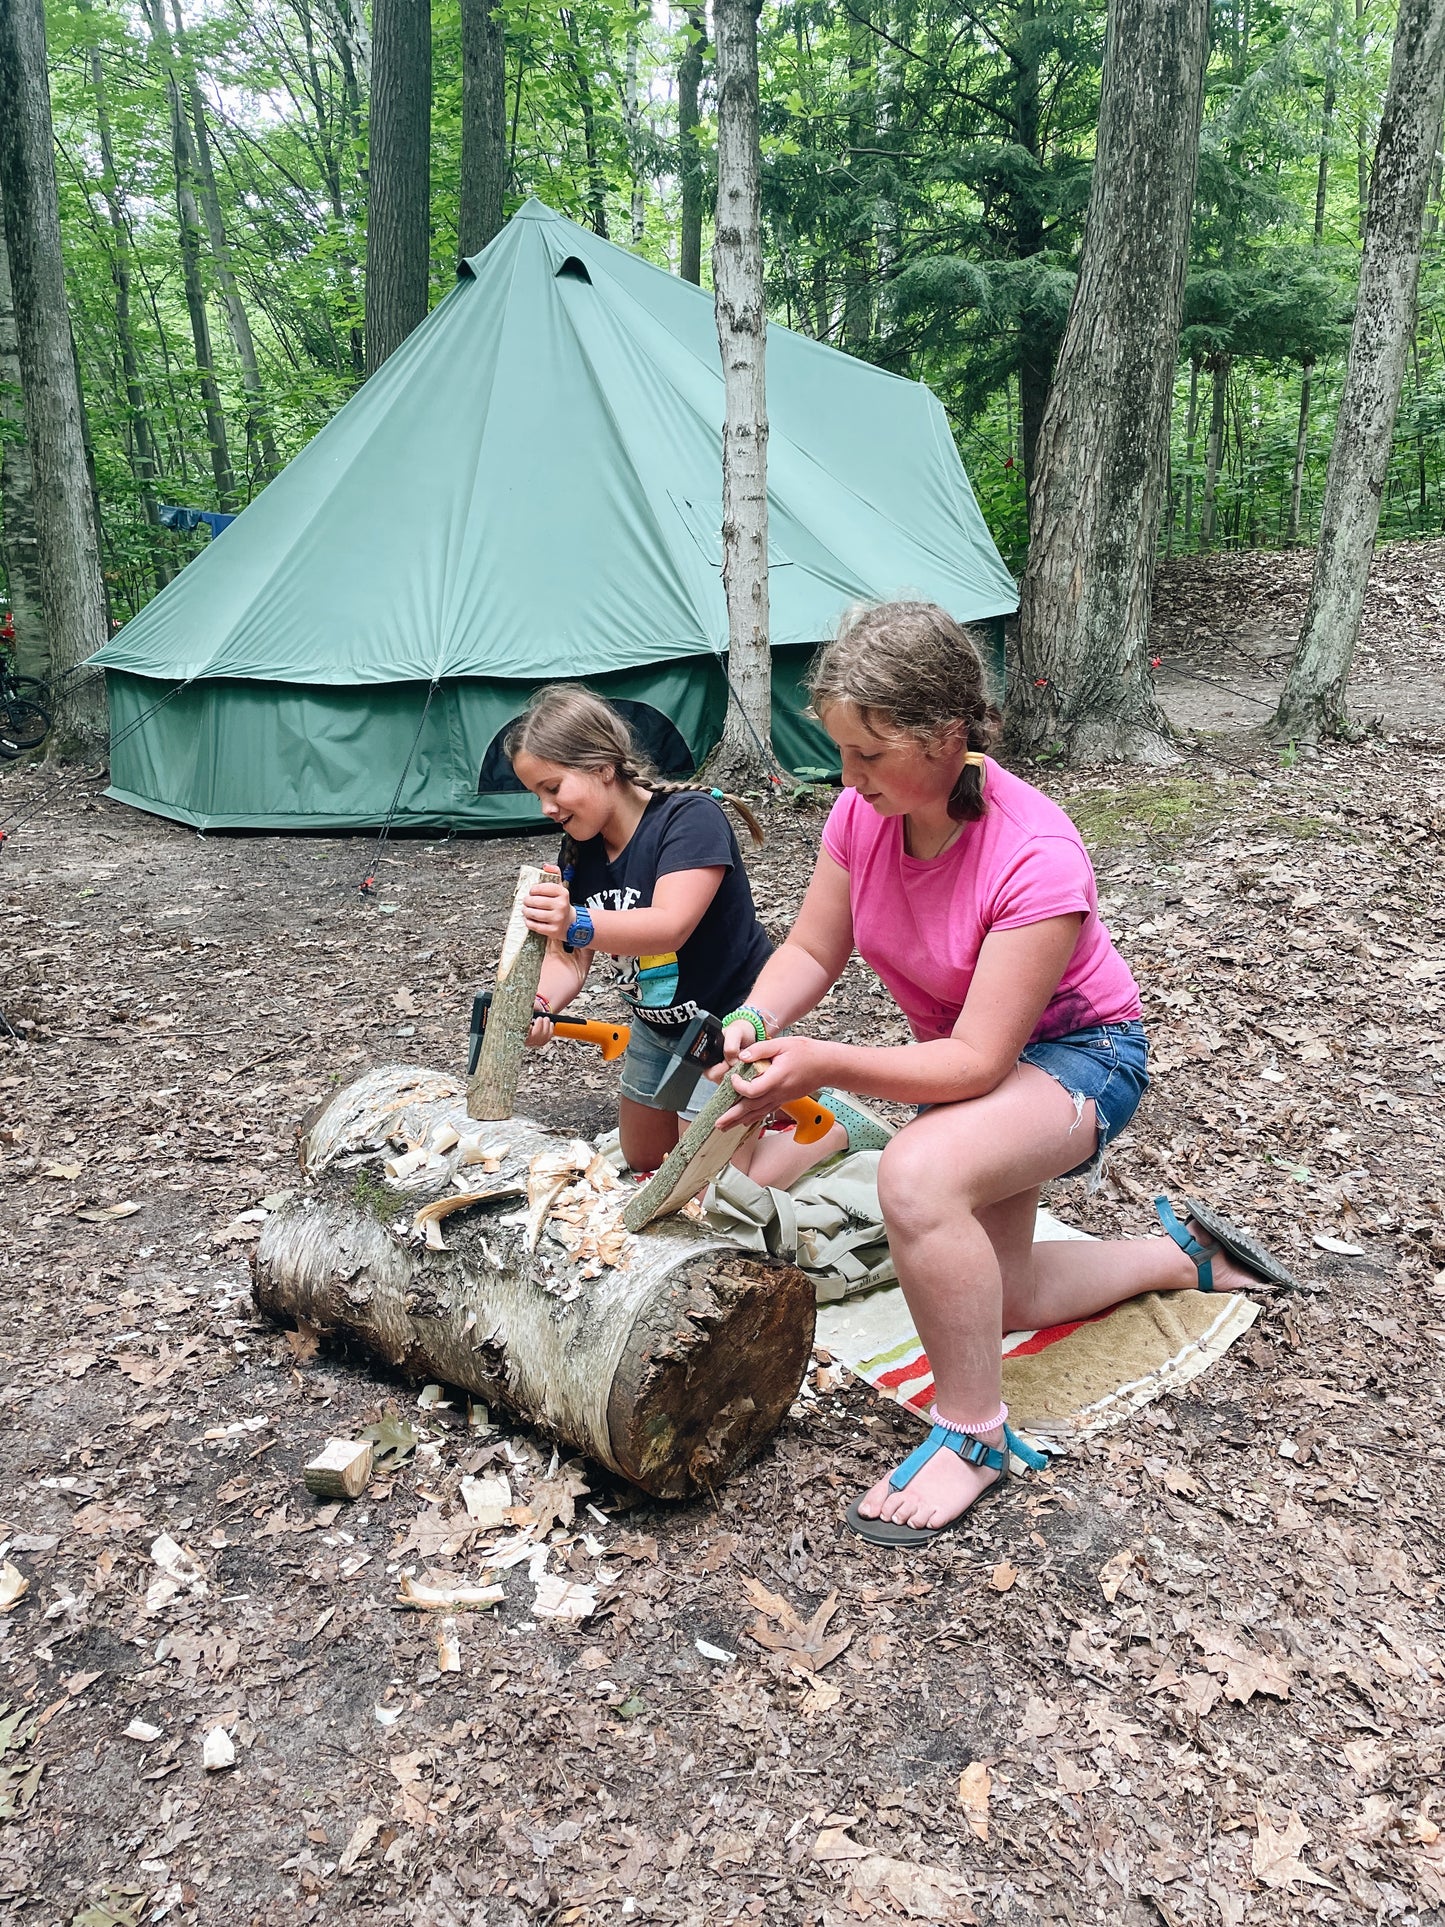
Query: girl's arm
679,901
1018,972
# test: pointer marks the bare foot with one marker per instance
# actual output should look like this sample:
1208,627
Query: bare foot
944,1488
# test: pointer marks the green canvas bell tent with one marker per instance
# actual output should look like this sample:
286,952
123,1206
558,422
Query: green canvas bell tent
530,488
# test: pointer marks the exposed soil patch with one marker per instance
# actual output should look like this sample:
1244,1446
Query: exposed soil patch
1195,1672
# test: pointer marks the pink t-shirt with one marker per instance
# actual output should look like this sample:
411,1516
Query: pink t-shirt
919,922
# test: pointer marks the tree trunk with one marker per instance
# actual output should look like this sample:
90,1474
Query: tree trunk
689,85
19,542
264,462
188,216
632,115
858,248
1313,702
1301,448
398,222
1214,450
1191,430
744,754
484,125
1083,683
596,182
72,595
142,448
670,1356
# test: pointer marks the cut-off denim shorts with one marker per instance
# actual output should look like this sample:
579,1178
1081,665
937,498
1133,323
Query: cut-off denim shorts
1108,1063
644,1065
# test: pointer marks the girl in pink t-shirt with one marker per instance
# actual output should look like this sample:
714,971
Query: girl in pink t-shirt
971,895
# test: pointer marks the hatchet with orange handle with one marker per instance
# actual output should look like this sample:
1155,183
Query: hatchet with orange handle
610,1039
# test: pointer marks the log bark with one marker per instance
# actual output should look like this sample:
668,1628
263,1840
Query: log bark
744,753
1083,688
1313,702
492,1091
669,1357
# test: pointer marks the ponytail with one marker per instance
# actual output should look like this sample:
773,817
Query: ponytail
569,725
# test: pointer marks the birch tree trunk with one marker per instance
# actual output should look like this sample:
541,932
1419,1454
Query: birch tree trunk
1313,701
484,126
72,594
689,86
1083,685
744,754
670,1356
398,222
260,439
19,542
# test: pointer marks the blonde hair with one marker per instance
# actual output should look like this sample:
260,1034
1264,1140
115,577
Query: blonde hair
569,725
910,669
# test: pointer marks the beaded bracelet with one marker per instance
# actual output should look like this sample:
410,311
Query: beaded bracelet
745,1014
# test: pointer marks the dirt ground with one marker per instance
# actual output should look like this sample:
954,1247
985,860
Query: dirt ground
1241,1720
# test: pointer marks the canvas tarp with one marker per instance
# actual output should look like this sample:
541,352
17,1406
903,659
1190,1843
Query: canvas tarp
528,488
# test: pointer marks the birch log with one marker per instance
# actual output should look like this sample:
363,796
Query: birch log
496,1260
493,1088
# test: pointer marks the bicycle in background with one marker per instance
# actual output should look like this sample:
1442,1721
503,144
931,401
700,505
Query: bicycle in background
24,717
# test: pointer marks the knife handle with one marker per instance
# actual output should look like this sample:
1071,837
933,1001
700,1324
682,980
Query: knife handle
611,1039
813,1120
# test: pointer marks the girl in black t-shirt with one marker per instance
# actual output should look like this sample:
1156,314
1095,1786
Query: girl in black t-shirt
653,874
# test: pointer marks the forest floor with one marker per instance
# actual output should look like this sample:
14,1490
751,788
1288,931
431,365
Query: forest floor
1240,1721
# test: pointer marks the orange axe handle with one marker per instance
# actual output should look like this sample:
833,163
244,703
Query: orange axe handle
611,1039
813,1120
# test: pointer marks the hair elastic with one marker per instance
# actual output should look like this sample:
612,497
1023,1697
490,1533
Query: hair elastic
975,1430
975,759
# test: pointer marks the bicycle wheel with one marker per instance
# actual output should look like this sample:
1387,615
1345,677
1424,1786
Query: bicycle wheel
23,726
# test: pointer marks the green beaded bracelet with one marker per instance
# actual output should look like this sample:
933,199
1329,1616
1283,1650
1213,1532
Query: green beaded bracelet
745,1014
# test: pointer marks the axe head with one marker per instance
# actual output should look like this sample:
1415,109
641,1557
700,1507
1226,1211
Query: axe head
697,1050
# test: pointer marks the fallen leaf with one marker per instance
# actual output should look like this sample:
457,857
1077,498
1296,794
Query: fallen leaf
393,1439
1199,1694
1252,1675
1275,1859
1182,1482
413,1797
834,1843
13,1586
304,1342
364,1832
1003,1576
218,1750
106,1213
65,1171
802,1645
1041,1718
1072,1777
974,1784
924,1893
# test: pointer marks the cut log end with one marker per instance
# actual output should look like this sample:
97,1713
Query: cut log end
709,1377
341,1471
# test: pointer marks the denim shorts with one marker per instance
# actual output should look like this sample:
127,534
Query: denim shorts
1107,1063
644,1065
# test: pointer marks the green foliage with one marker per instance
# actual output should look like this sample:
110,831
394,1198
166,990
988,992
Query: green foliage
925,175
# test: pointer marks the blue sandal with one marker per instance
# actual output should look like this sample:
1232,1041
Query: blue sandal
973,1451
1228,1238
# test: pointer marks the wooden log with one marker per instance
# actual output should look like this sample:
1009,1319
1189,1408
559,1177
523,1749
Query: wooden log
699,1154
669,1356
492,1091
341,1471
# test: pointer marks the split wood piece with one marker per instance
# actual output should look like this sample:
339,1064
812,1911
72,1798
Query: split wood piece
672,1366
700,1153
341,1471
492,1092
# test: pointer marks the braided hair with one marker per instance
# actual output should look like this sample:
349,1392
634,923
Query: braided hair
910,669
571,726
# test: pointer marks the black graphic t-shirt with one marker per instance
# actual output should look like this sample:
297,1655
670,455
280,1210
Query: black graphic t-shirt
718,965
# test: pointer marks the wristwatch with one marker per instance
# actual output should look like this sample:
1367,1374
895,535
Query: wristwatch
579,932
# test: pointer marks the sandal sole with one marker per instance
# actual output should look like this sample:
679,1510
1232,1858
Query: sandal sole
884,1532
1240,1246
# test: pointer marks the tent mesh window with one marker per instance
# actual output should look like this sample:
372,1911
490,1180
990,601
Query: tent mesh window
660,742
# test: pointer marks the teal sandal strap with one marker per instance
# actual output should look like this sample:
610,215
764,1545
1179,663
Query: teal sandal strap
971,1450
1203,1255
